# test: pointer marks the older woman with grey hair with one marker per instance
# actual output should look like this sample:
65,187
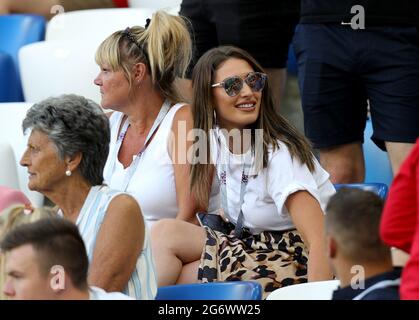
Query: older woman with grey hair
67,150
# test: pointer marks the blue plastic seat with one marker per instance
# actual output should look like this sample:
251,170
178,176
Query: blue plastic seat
380,189
233,290
9,79
292,65
18,30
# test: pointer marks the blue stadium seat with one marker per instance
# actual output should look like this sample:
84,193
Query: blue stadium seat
233,290
10,89
292,66
379,188
377,164
16,31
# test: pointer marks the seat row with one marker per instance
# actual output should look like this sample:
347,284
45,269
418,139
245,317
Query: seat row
83,27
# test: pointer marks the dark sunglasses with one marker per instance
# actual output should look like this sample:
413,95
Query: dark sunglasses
233,85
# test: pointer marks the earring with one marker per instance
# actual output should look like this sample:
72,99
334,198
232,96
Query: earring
68,173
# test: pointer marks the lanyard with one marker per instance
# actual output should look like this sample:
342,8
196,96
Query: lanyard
134,164
223,187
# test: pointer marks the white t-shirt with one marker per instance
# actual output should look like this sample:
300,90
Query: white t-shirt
265,194
96,293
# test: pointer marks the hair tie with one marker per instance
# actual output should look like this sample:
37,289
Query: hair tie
147,22
128,34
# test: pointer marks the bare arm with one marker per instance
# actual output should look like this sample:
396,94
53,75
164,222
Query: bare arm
182,125
118,245
308,218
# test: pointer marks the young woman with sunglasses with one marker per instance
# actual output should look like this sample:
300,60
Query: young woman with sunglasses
272,187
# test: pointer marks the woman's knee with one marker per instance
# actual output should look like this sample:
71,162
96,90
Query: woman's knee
177,236
162,230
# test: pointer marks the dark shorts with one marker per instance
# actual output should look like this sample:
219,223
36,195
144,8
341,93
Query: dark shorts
341,69
264,28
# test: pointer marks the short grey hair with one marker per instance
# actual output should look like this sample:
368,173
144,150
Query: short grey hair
74,124
353,218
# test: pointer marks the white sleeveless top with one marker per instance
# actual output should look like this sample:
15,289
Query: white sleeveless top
143,282
153,182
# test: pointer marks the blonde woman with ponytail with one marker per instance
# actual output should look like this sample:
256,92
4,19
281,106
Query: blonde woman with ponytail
139,70
12,217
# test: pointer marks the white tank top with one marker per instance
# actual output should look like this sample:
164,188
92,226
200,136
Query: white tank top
153,182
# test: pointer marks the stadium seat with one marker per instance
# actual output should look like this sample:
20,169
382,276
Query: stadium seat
172,6
10,88
65,62
379,188
377,163
8,171
318,290
292,66
234,290
11,116
16,31
61,67
93,26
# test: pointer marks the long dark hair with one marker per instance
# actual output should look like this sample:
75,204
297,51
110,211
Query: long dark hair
275,127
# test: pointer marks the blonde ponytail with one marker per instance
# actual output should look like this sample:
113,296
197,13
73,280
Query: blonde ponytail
169,44
169,49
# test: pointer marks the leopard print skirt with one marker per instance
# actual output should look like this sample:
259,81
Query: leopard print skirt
274,259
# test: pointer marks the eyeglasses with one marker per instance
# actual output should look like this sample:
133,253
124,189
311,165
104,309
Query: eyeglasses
233,85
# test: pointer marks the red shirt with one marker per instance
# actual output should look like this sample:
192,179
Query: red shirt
400,221
121,3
